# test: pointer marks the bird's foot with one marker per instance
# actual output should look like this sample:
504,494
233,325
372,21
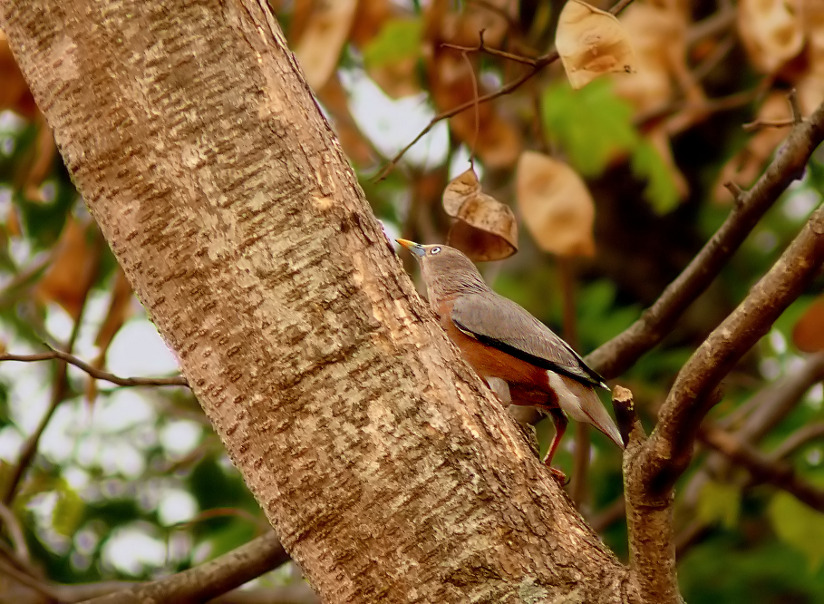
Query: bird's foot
558,475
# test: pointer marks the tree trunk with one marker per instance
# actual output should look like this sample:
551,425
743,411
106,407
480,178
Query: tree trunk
388,471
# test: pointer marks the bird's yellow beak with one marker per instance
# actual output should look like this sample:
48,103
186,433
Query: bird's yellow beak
415,248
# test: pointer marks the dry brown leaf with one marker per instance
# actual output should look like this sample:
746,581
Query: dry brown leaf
463,28
67,279
91,391
398,79
592,42
808,332
555,205
651,30
12,222
15,95
461,189
322,40
772,31
14,92
658,34
811,85
814,28
486,228
811,89
301,14
479,245
119,310
370,17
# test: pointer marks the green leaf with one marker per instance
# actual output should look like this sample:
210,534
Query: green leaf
719,503
398,39
660,192
600,317
68,511
798,526
591,125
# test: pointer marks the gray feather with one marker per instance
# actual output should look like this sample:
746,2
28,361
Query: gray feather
500,322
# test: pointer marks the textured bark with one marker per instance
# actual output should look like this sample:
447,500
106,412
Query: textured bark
387,470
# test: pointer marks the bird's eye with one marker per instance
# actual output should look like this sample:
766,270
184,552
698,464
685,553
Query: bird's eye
435,250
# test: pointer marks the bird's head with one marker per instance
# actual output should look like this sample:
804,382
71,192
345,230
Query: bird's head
445,270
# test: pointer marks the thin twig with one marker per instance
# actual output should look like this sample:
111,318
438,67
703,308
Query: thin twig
481,47
538,65
797,440
795,107
764,469
18,540
24,579
477,109
735,189
719,22
716,57
506,89
699,110
796,116
759,124
94,372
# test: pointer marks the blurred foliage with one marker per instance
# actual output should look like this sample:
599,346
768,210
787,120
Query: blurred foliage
92,484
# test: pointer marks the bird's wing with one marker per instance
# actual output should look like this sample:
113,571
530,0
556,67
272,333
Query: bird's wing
500,322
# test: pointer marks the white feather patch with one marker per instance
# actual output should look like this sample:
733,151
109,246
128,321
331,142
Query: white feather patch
569,401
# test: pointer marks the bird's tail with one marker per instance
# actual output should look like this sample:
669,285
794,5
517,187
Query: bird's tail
581,403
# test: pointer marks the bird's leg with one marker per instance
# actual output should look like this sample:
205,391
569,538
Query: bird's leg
560,420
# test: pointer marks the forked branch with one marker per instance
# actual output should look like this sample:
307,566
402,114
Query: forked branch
621,352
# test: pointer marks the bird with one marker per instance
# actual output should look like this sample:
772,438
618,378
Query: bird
519,357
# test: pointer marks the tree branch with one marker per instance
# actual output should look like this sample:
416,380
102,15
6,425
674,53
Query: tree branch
651,468
797,440
19,576
774,403
94,372
755,418
649,521
620,353
670,448
749,423
763,469
210,579
15,531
